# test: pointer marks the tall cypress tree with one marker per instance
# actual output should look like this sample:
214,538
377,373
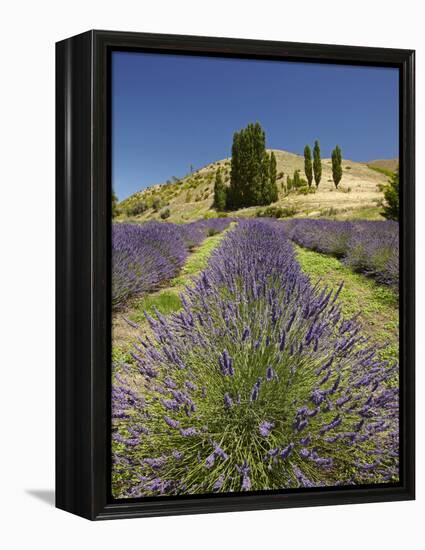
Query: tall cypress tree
268,192
273,176
336,165
308,167
257,173
233,197
317,163
219,192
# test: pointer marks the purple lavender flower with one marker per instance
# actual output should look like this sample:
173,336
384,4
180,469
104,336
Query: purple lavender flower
265,428
189,432
219,483
220,452
155,463
171,422
282,341
317,396
286,451
302,479
228,402
335,422
305,453
226,364
270,374
246,483
255,390
210,460
170,404
178,455
244,470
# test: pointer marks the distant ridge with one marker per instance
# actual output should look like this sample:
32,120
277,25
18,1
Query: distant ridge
385,164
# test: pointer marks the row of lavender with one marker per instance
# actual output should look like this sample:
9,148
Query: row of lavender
144,256
258,383
369,247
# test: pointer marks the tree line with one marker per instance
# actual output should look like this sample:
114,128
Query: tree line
254,171
314,168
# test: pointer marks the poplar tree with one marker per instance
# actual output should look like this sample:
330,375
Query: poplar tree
317,163
308,167
272,194
219,192
336,166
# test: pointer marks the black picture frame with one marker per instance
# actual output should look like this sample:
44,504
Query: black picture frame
83,213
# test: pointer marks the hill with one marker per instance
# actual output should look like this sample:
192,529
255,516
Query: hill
387,165
191,198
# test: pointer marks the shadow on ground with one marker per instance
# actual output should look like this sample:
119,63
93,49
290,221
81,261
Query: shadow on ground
45,495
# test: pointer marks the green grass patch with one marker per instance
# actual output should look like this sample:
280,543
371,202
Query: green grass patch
367,213
377,304
165,301
197,261
380,170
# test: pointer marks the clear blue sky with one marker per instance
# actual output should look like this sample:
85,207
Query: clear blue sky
170,112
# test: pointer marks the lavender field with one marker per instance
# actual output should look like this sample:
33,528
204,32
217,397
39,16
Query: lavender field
369,247
145,256
259,380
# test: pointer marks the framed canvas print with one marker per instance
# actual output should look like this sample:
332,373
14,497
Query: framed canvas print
235,274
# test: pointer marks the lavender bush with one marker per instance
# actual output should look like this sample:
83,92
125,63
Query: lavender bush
369,247
259,383
144,256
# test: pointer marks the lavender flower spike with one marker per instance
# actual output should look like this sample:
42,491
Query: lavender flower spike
265,428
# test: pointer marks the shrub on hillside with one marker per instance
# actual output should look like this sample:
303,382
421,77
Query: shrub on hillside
276,212
165,214
136,209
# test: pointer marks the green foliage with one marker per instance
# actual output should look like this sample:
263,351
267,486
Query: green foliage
157,204
136,208
296,183
308,167
392,198
336,165
164,302
276,212
253,171
219,192
165,214
317,163
272,187
306,190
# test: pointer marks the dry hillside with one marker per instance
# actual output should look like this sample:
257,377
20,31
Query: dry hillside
191,198
384,164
